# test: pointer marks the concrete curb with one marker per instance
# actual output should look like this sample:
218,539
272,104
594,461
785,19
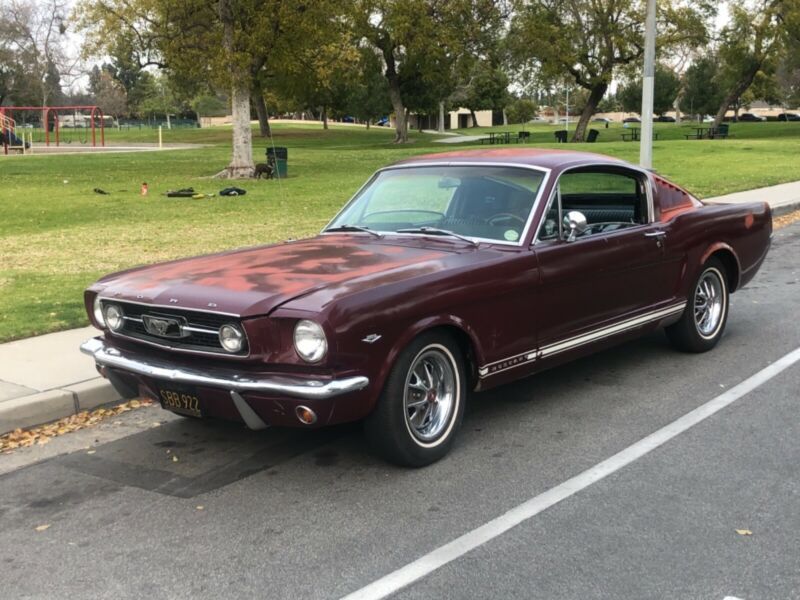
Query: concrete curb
51,405
786,208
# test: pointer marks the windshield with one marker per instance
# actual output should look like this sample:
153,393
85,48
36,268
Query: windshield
480,202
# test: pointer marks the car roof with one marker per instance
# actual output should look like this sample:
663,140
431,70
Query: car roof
535,157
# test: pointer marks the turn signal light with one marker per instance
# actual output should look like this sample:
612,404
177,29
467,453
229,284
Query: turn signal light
306,415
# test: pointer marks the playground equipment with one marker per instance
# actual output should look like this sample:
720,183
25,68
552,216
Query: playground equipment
52,123
8,135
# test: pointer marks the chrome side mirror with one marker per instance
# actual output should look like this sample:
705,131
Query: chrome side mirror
575,221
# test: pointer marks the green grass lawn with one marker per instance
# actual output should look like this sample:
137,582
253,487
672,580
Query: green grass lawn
57,235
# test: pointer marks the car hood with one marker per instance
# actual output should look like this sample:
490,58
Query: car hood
255,281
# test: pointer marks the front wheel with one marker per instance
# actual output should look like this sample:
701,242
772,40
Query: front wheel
703,321
422,404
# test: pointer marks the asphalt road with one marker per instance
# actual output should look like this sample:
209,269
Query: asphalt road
295,514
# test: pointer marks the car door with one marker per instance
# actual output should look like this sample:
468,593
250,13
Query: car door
613,274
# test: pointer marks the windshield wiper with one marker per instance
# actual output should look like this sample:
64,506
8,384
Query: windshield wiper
355,228
437,231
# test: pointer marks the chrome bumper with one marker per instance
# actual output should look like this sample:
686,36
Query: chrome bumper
281,385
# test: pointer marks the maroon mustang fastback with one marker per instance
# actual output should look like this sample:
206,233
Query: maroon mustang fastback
445,274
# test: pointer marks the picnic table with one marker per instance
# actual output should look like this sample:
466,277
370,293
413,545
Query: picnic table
632,135
499,137
701,132
635,134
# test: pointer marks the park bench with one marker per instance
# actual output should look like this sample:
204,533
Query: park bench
561,136
592,137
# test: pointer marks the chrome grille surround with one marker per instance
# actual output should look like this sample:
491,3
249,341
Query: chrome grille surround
198,330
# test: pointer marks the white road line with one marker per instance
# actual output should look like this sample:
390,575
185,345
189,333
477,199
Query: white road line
442,555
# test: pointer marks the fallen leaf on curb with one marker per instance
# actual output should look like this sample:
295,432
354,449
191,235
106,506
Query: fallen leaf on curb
91,451
43,527
785,220
744,532
24,438
200,507
174,458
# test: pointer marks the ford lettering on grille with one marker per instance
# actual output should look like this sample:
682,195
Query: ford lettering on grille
163,326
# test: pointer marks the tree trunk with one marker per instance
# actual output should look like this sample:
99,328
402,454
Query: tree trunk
400,126
241,165
505,118
474,118
440,124
733,96
595,96
401,133
367,122
261,111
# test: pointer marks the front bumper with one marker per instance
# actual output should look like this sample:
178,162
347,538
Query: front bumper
234,383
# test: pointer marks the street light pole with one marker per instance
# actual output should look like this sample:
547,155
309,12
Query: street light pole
648,79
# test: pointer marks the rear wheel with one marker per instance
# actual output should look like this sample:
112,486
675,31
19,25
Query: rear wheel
422,403
706,313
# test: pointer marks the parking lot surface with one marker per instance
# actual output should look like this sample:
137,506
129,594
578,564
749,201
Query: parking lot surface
153,505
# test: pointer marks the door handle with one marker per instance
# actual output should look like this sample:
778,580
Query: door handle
655,234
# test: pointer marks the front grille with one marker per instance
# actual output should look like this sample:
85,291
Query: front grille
201,341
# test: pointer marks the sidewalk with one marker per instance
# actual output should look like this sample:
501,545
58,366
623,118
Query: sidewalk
782,198
46,378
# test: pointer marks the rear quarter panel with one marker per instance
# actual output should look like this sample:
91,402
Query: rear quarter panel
744,230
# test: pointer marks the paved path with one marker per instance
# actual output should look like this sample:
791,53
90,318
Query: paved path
312,514
46,377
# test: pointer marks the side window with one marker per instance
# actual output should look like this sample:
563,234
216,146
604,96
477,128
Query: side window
610,199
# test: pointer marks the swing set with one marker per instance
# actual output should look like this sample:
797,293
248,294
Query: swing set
51,123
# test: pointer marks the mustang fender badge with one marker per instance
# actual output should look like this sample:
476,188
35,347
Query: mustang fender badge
371,338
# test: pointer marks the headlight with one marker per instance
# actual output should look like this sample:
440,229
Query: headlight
309,341
98,312
231,338
114,317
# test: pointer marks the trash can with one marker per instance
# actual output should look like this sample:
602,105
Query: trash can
280,156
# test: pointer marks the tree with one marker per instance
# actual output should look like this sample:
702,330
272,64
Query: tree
368,94
521,110
209,105
666,87
110,96
485,88
787,78
592,40
749,44
701,91
321,74
419,42
36,32
231,44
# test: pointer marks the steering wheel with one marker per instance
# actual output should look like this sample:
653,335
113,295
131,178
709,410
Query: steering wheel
505,217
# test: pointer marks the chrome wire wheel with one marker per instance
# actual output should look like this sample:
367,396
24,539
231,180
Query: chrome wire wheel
709,303
431,394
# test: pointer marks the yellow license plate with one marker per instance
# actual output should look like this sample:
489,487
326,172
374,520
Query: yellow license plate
183,401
